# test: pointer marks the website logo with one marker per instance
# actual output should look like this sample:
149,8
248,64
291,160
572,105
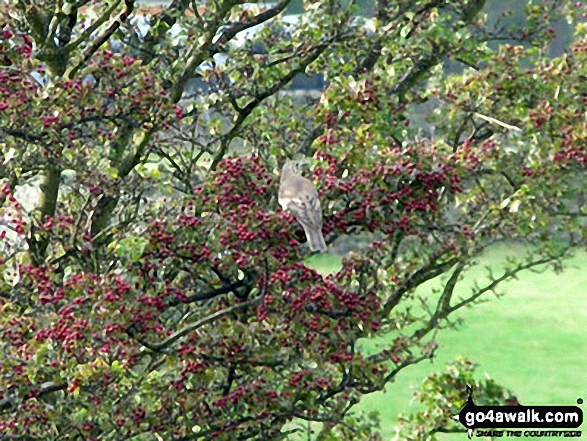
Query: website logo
475,417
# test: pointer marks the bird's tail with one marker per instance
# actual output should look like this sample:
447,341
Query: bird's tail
315,239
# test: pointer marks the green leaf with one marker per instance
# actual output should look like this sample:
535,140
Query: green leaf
131,248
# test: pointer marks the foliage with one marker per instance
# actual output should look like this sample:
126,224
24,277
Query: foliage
155,291
444,395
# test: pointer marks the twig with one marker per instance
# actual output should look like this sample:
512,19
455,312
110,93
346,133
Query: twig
498,122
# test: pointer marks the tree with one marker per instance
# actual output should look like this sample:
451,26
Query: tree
156,291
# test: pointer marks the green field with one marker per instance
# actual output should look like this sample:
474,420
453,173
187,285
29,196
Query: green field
533,340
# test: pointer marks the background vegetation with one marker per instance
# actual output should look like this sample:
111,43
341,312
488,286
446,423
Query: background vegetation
153,290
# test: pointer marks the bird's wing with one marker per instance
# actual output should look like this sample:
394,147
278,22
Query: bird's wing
306,209
299,196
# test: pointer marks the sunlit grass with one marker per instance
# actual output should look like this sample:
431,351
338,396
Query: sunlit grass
533,340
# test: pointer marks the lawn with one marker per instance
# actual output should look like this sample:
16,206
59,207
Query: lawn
533,340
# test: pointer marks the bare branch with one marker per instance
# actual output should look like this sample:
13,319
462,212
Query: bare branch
444,308
498,122
506,275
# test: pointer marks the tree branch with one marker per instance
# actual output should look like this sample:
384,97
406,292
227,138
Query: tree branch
93,27
157,347
101,39
258,99
47,205
230,32
213,293
46,388
428,272
444,305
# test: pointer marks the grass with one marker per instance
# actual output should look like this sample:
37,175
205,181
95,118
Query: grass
533,341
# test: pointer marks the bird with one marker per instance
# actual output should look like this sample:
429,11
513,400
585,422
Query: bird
298,196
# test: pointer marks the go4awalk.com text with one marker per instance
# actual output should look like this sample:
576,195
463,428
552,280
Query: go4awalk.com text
518,421
529,433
